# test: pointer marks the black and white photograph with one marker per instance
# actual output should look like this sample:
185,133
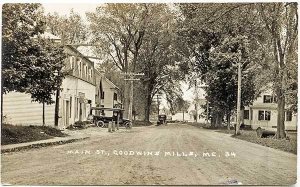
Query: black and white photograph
149,93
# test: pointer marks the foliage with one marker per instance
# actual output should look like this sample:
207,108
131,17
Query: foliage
180,105
46,74
213,52
221,74
29,61
281,22
21,22
71,29
118,29
138,38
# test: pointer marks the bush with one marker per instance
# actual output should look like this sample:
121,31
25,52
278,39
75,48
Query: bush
11,134
80,124
141,123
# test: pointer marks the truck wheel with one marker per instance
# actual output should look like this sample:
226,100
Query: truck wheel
100,124
129,125
126,125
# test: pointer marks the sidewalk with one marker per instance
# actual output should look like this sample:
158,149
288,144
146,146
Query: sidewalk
43,143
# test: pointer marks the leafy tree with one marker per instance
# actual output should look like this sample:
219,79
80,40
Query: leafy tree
265,25
212,53
71,29
29,62
118,30
181,105
46,76
21,22
157,59
281,21
136,38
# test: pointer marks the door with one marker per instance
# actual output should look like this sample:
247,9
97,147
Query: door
80,111
67,113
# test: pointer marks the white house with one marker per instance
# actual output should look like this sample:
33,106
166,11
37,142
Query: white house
263,113
77,95
110,96
78,88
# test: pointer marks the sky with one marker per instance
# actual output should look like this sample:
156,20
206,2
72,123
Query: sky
64,9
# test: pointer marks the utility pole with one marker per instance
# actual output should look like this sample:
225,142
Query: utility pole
158,103
131,77
197,99
238,108
207,112
158,98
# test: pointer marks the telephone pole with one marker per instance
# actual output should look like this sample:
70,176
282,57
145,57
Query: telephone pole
131,77
238,108
197,100
158,103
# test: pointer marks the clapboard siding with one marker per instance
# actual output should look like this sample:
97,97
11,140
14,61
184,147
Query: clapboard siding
19,110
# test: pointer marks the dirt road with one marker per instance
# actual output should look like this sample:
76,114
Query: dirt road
144,155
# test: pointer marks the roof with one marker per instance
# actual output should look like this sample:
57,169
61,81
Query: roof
110,83
80,54
109,109
50,36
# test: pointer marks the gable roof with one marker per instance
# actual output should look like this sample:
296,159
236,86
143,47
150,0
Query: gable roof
112,85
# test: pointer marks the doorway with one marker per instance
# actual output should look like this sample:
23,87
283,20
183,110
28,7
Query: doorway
67,113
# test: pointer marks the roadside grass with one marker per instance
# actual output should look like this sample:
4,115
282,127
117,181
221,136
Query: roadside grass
288,145
138,123
13,134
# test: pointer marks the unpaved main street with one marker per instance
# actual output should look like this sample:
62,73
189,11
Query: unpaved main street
83,163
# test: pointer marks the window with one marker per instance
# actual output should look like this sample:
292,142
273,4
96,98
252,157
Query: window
270,99
76,107
70,106
246,114
102,95
264,115
115,96
102,111
274,99
72,62
91,73
79,67
288,116
86,71
267,99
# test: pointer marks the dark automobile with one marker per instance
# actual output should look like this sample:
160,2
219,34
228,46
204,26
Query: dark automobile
102,121
162,119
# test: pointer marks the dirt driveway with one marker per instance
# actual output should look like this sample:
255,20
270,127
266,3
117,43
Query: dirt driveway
166,155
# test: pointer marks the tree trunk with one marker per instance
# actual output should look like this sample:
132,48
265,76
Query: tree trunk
2,104
126,99
219,120
148,102
56,110
280,117
147,110
43,113
216,119
280,81
183,116
228,120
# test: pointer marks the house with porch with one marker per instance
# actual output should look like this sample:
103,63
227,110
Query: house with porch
263,113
